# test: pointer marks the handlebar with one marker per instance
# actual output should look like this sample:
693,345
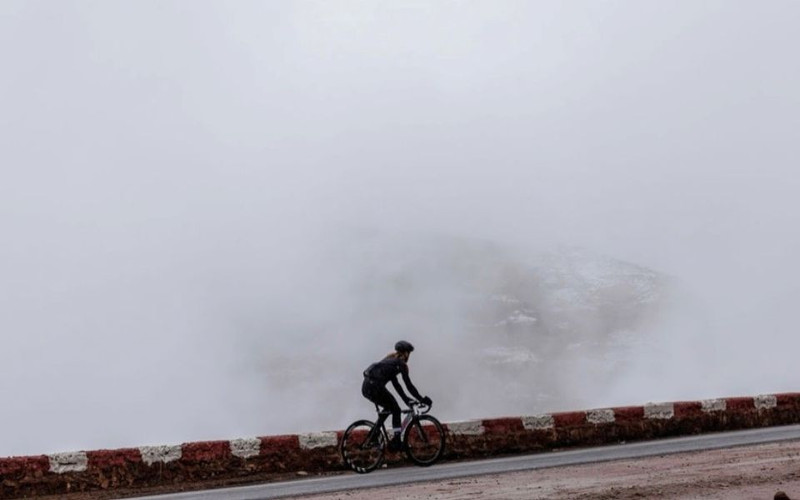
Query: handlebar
414,406
421,407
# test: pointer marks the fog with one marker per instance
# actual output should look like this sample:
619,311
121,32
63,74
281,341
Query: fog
215,215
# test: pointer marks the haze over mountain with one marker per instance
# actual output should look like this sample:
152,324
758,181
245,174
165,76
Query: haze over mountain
497,331
214,215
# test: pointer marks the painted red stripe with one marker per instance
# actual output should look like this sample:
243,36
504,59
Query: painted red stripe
569,419
278,444
15,465
684,409
739,404
503,425
628,413
104,459
788,399
205,451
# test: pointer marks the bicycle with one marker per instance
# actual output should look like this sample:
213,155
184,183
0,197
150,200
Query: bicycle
364,443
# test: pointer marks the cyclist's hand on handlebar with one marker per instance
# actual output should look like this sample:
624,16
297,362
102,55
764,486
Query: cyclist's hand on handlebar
427,401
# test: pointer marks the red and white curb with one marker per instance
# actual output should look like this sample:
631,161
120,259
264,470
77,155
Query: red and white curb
148,465
80,461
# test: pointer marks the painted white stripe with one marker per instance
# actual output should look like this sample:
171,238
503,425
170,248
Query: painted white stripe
245,448
68,462
765,401
712,405
662,411
604,416
165,454
467,427
539,422
317,440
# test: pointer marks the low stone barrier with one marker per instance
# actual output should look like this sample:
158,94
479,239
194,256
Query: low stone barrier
193,463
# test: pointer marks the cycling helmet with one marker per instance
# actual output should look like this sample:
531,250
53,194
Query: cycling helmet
403,346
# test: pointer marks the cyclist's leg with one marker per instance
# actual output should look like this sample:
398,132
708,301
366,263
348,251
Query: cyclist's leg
381,396
384,399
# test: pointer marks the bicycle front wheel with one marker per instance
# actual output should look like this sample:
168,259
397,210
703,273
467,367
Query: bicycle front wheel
363,446
424,440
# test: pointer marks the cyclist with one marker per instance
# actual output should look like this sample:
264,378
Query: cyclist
386,370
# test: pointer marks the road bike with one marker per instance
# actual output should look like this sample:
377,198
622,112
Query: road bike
364,443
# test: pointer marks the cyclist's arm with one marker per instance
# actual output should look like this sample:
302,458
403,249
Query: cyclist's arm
399,389
413,390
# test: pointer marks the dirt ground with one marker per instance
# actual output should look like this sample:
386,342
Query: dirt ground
755,472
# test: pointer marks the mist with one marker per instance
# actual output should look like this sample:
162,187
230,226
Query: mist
214,216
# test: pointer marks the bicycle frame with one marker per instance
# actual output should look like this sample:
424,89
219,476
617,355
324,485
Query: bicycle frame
410,415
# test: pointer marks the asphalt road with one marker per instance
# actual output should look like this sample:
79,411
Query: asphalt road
403,475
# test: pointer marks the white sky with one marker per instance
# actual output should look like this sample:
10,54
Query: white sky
163,163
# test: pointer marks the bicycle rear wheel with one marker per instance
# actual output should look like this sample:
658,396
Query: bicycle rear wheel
424,440
363,446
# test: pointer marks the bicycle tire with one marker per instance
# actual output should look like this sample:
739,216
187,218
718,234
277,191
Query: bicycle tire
358,455
424,440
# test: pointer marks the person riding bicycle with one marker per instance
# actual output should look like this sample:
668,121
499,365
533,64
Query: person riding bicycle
386,370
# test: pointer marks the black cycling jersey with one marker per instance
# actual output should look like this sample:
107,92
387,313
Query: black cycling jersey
386,370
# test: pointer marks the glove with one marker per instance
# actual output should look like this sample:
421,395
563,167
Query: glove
427,401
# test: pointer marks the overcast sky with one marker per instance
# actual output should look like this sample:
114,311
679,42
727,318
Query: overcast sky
164,163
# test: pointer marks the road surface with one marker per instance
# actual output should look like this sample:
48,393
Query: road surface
765,459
